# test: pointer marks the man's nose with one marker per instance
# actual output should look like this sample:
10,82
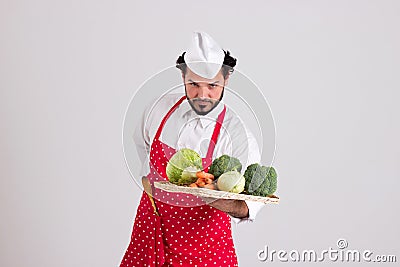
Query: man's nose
203,91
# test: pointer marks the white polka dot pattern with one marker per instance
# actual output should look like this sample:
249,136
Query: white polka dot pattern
187,233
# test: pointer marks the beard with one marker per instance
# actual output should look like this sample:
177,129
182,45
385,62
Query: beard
203,106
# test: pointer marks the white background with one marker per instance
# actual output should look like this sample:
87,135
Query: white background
329,69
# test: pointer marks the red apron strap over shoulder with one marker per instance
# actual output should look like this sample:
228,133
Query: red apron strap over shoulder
164,120
208,159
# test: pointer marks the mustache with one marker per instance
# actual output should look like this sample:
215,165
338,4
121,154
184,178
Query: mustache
202,100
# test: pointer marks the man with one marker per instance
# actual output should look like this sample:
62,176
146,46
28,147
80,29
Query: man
179,229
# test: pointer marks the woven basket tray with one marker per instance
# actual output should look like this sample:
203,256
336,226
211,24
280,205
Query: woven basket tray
204,192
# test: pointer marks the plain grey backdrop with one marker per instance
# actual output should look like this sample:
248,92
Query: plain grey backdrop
330,72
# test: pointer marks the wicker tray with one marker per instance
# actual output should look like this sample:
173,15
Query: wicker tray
204,192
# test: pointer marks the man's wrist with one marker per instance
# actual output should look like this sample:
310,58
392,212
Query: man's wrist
240,210
233,207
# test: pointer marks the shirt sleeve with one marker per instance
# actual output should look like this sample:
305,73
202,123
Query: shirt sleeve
141,139
150,120
254,208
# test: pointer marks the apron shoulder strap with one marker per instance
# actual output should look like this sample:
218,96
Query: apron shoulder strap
208,160
164,120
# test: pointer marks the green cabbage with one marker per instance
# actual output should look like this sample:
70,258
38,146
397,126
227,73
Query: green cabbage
231,181
183,165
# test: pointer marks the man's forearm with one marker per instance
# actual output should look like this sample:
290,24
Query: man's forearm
235,208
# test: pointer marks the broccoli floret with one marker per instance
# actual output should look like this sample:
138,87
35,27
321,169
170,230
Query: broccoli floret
224,164
260,180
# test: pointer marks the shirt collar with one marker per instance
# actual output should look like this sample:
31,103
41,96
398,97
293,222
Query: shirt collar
205,120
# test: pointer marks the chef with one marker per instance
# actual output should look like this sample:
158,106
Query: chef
180,229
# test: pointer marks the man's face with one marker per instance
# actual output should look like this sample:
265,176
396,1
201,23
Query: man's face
203,94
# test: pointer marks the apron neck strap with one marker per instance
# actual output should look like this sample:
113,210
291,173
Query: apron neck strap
208,159
174,107
214,138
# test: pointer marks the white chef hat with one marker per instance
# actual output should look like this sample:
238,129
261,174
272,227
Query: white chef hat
204,57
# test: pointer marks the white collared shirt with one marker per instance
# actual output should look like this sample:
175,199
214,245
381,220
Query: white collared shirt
186,129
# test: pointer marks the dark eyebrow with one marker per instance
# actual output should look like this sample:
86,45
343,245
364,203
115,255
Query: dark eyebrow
190,80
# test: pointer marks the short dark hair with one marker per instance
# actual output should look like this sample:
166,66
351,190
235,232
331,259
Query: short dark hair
227,67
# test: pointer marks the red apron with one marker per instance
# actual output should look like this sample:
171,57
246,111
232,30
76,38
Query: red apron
187,232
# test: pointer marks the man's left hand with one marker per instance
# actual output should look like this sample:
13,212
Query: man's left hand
234,207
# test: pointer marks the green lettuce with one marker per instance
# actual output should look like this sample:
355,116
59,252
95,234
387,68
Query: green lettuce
184,161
